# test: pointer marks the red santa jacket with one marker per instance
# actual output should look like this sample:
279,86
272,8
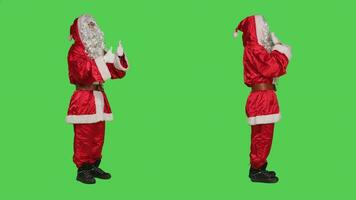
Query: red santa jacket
261,66
90,106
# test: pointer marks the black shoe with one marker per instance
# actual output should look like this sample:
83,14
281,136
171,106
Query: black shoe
84,174
99,173
263,176
272,173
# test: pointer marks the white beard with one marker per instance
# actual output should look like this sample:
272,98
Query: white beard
266,37
92,38
268,43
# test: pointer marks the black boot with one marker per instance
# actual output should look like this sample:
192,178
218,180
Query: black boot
262,175
84,174
272,173
99,173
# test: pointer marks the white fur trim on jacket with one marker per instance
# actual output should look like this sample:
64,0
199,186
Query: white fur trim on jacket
88,119
103,68
118,65
283,49
264,119
92,118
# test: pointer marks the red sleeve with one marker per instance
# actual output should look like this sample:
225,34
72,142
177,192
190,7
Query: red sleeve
123,61
270,65
115,73
119,67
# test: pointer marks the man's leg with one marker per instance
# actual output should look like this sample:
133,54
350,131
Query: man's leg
96,153
98,141
261,143
83,134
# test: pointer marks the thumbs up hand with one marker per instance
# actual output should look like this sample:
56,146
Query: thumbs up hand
120,49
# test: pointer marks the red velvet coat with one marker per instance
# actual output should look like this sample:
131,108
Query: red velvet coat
261,66
90,106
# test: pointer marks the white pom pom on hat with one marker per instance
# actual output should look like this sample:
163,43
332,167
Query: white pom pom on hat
235,34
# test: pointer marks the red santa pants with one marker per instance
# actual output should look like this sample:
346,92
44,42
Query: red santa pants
88,142
261,142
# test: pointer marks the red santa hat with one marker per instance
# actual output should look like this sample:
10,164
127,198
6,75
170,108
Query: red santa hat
256,32
91,37
244,25
74,32
252,28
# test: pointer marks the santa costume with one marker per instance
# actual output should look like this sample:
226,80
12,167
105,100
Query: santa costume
90,65
265,60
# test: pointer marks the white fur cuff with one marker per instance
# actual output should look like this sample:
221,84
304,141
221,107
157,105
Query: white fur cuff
118,65
264,119
283,49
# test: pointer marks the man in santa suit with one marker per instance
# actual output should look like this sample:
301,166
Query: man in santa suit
265,60
89,67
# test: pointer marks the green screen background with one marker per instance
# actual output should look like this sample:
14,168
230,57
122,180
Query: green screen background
179,129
